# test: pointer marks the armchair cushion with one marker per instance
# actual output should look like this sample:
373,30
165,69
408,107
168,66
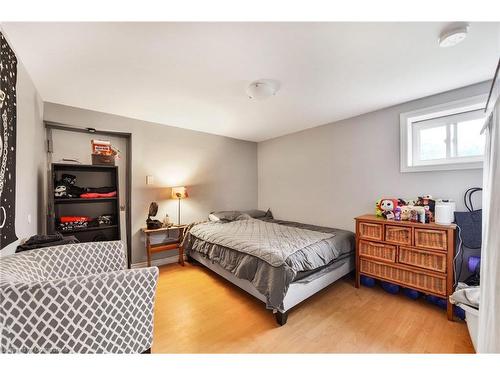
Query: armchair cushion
46,305
57,262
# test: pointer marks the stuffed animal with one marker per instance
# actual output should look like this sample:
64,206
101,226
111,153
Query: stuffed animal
387,206
420,214
414,214
429,205
425,200
406,212
378,211
397,213
417,214
60,191
410,202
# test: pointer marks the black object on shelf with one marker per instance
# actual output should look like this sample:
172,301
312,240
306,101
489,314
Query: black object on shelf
87,176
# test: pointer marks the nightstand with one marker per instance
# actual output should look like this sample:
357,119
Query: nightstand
171,244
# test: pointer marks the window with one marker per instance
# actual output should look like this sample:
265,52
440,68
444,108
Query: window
447,136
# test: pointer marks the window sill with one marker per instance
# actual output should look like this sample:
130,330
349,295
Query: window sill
441,167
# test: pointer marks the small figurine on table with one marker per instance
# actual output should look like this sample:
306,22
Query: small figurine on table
152,223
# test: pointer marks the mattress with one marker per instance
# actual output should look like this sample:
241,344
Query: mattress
307,276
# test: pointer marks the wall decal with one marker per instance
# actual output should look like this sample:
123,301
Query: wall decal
8,77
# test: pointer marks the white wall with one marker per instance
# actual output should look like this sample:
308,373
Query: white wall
30,160
220,172
329,174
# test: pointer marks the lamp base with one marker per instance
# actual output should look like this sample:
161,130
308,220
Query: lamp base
179,213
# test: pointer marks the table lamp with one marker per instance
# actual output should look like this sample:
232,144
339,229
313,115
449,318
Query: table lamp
179,193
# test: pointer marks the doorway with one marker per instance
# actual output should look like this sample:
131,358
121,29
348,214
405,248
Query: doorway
72,145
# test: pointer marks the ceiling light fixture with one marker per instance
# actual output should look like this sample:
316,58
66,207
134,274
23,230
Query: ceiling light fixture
262,89
453,34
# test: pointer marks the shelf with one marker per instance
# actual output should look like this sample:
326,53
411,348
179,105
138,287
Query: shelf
81,167
89,176
83,200
89,229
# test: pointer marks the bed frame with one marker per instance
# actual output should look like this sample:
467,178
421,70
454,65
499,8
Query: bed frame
297,292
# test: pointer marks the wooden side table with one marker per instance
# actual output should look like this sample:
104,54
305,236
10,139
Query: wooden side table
164,246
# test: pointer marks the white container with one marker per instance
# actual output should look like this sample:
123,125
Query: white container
444,212
471,317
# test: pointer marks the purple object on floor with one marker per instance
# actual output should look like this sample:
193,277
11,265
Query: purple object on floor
441,302
411,293
459,312
390,287
431,299
367,281
473,263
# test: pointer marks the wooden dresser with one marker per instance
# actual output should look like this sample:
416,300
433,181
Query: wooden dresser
413,255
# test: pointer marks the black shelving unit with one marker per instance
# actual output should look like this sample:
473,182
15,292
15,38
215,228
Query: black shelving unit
86,176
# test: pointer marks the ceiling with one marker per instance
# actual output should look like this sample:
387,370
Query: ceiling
194,75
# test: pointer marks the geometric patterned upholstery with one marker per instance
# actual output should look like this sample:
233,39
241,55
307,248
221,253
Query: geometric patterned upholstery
76,298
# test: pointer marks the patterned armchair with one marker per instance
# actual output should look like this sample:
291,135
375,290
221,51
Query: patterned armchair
76,298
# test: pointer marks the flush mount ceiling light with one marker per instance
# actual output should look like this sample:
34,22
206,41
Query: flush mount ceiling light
262,89
453,35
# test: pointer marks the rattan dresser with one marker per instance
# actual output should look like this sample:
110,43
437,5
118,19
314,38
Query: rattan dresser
413,255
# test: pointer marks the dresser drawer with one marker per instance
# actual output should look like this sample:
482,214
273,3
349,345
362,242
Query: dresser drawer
431,239
398,234
431,260
403,275
376,250
370,231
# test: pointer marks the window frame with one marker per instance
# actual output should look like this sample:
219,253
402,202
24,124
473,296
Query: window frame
432,116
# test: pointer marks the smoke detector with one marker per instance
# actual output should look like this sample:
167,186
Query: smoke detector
453,35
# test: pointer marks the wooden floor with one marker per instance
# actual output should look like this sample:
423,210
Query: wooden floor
199,312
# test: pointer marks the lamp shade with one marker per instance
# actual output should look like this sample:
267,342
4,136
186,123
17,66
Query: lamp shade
179,192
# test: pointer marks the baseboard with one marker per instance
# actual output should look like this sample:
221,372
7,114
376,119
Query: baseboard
156,262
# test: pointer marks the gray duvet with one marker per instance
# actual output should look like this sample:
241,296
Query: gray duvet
271,242
271,254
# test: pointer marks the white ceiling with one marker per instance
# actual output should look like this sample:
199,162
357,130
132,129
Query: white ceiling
194,75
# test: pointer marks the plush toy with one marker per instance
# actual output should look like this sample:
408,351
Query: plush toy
418,214
378,211
397,213
426,200
387,206
60,191
429,205
429,216
406,212
410,202
413,214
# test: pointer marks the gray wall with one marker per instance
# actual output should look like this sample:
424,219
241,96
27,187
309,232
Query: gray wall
329,174
220,172
30,160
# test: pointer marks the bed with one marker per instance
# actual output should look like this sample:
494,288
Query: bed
281,263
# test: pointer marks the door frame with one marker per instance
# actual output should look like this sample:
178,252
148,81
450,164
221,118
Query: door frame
50,125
